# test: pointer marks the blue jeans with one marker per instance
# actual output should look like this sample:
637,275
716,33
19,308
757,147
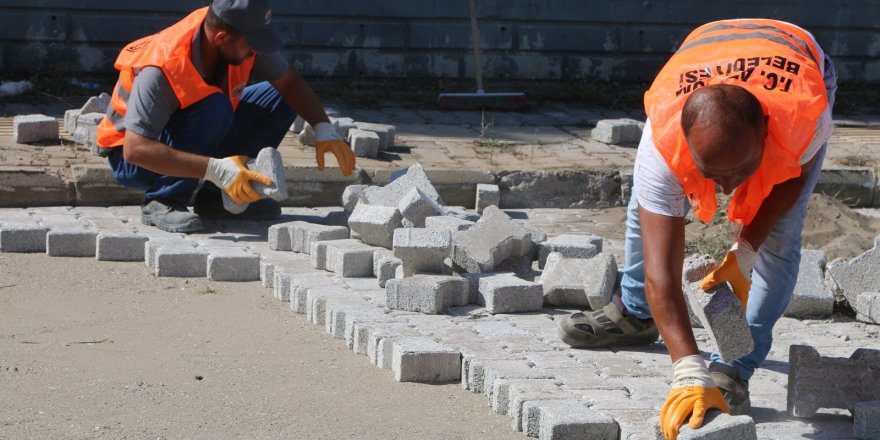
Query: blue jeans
773,278
210,127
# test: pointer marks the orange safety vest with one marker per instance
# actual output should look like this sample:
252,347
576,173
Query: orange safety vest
777,62
170,50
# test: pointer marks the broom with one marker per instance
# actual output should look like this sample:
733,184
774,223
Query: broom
481,100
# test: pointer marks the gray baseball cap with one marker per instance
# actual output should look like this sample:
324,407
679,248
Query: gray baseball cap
252,19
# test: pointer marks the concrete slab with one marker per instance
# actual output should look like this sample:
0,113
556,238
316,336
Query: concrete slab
816,381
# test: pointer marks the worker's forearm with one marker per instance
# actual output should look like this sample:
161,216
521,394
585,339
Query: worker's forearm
162,159
781,198
301,98
670,313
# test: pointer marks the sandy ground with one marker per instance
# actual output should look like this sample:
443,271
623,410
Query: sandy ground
98,349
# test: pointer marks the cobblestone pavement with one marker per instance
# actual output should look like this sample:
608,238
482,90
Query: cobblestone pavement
627,385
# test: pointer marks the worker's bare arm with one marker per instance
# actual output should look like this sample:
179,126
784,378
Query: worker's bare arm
300,97
162,159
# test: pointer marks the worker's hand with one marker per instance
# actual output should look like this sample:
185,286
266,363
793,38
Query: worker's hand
235,178
693,394
327,140
736,269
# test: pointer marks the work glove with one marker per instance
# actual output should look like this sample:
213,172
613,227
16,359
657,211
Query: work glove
328,140
736,269
693,393
235,178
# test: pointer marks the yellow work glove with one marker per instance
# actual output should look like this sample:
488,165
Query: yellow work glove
693,393
235,178
736,269
327,140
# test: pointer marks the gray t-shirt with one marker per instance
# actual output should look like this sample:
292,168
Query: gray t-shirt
152,100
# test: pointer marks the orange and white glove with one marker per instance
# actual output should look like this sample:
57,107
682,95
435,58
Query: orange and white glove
693,393
327,140
232,175
736,269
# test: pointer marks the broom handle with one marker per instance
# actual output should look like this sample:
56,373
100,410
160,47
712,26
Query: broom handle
475,38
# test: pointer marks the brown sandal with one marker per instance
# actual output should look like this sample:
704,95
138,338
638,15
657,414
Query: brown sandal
605,327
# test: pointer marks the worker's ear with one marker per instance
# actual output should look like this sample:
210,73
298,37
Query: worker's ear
221,37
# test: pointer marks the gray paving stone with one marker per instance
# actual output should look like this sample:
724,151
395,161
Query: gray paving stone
415,206
279,237
385,267
618,131
349,258
316,301
299,286
811,298
579,282
270,164
343,126
557,422
487,195
447,222
71,242
422,250
505,293
816,381
375,224
493,239
493,370
352,195
86,130
364,143
70,117
23,237
866,420
96,104
570,246
307,135
336,309
269,259
298,124
303,234
180,260
868,307
420,359
386,133
426,293
695,268
722,315
233,264
151,245
120,246
508,393
859,274
716,426
367,335
34,128
473,357
530,423
393,192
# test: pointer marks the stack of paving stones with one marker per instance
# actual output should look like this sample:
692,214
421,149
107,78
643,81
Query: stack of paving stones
82,123
366,139
432,304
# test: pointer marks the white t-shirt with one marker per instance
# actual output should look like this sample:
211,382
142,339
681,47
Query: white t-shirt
660,192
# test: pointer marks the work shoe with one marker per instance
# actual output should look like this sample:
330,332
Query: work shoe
170,216
605,327
209,204
734,389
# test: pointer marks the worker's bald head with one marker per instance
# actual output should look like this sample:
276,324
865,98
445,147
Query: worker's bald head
725,128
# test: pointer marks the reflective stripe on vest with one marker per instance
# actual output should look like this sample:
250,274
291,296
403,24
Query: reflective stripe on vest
776,62
171,51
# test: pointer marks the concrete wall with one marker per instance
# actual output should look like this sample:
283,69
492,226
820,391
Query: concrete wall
624,40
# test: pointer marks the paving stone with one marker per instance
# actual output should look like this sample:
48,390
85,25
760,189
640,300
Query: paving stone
493,239
393,192
385,266
462,213
34,128
386,133
530,423
473,357
120,246
71,242
722,315
364,329
336,308
579,282
557,422
86,130
618,131
180,260
303,234
570,246
426,293
23,237
364,143
307,135
354,320
487,195
493,370
380,348
506,391
415,206
447,222
695,268
298,124
505,293
424,360
151,245
352,195
96,104
868,307
70,117
279,237
375,224
349,258
316,302
859,274
299,286
716,426
270,164
866,420
816,381
233,264
343,126
811,298
422,250
269,259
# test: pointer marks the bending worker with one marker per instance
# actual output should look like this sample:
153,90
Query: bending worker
744,105
182,111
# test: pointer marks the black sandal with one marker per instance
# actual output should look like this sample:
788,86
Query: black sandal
605,327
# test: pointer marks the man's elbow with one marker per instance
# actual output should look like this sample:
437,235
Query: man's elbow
133,151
